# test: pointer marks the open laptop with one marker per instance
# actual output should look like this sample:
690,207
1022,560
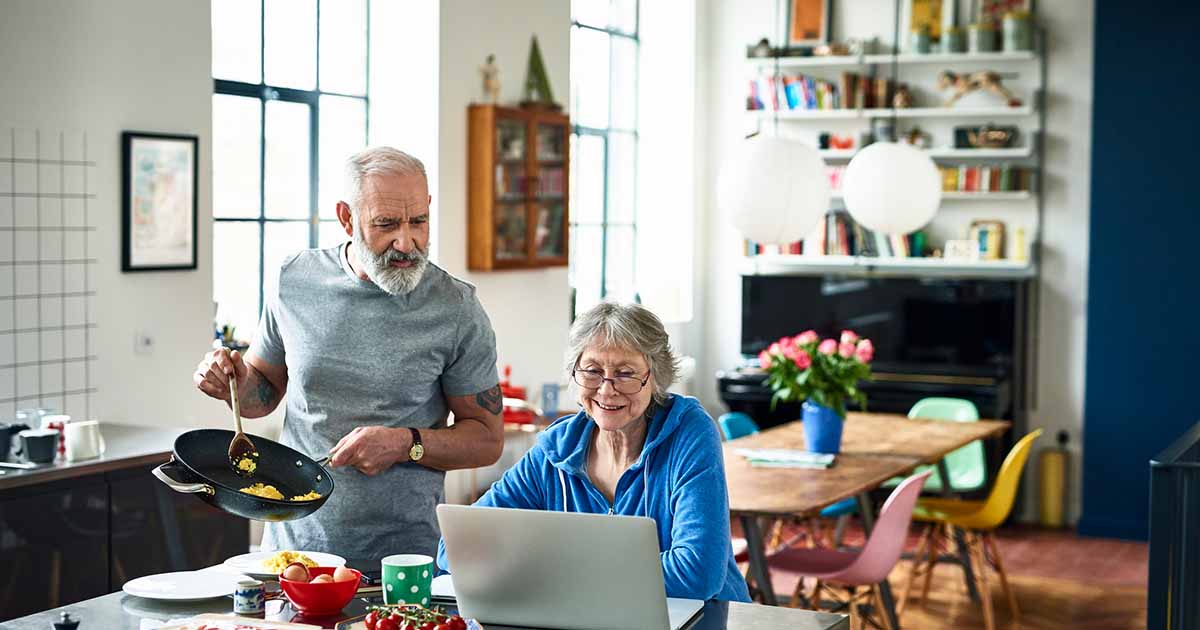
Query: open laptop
559,570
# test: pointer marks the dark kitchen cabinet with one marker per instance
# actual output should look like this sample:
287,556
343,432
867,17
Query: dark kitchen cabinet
53,545
69,540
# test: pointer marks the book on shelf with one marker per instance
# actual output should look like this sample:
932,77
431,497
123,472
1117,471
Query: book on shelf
798,92
987,178
837,234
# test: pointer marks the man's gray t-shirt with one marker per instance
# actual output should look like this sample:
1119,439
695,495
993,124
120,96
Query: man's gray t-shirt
359,356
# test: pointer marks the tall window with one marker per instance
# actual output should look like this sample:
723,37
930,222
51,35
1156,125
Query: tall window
604,148
289,106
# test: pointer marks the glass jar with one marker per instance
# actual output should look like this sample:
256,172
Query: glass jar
921,40
1018,31
981,37
954,40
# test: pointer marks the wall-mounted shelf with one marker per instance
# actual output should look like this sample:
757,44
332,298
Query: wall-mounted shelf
945,153
771,264
912,112
855,61
1007,195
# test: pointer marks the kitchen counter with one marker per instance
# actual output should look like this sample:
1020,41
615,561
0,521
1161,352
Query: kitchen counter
127,447
119,611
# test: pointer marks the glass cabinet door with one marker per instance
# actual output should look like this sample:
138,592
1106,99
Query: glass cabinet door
509,236
549,233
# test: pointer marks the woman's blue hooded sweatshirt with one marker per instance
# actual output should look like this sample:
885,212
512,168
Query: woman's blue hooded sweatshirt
679,481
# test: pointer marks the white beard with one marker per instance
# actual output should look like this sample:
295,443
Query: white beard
394,280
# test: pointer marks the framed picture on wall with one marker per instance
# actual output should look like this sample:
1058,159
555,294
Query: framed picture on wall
158,199
808,22
992,11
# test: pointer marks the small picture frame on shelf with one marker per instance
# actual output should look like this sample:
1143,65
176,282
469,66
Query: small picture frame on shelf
992,11
158,198
989,237
808,23
961,250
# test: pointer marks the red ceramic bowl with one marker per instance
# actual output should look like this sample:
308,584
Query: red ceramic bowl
321,599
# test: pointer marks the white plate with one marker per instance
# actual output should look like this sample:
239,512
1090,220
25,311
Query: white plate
251,564
182,586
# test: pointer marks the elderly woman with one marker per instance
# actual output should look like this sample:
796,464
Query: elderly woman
634,450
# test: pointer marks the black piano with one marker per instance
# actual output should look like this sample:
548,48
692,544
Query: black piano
961,338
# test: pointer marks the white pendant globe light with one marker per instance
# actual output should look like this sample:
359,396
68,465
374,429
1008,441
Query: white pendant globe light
892,188
775,190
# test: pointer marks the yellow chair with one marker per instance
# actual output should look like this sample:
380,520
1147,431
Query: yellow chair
977,519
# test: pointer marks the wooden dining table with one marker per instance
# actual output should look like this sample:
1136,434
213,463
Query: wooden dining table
875,448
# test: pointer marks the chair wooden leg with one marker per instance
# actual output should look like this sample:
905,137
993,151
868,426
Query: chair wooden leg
877,603
975,548
912,573
990,541
776,535
931,564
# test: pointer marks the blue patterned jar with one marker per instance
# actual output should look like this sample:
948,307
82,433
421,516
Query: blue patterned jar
249,598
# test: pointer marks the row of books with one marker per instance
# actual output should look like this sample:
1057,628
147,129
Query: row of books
802,92
837,234
1002,178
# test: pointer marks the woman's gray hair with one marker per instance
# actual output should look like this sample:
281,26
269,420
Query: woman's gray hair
377,161
629,326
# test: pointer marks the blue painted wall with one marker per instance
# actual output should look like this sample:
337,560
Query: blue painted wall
1143,337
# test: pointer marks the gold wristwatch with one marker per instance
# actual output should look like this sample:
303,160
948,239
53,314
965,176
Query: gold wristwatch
416,451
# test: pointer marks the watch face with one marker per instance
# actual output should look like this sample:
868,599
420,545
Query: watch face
416,452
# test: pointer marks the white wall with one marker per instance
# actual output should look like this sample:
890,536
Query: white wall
101,68
530,310
725,28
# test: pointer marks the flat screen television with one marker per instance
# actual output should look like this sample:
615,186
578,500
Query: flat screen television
917,325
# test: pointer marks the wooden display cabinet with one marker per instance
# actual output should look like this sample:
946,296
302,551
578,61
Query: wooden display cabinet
517,172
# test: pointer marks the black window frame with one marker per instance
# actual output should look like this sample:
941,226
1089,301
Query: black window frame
264,93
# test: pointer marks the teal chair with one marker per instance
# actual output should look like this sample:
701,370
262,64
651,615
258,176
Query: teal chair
736,424
966,466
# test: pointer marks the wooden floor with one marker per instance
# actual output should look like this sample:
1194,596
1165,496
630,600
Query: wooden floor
1061,581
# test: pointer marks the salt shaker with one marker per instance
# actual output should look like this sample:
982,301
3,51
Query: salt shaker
65,622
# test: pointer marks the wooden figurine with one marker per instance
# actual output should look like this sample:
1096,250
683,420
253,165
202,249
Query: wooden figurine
964,84
491,80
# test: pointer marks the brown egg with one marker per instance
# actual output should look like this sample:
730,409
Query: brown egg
341,574
322,579
295,572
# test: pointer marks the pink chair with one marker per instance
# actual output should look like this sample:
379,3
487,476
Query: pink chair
868,567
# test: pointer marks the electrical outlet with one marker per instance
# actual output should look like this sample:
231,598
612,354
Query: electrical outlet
143,343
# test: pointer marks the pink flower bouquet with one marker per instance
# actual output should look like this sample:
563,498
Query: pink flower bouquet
825,372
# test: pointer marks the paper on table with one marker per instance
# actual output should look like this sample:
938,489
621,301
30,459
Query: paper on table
786,456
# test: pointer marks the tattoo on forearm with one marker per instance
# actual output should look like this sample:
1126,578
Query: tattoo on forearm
491,400
266,391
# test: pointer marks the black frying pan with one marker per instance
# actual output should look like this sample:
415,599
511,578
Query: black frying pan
200,465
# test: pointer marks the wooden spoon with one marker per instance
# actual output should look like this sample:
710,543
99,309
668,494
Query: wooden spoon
243,456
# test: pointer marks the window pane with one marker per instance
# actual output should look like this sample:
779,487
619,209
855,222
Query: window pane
343,132
617,14
236,40
344,46
510,231
330,234
589,69
291,43
236,146
618,280
587,179
621,186
235,276
624,83
283,238
286,167
585,266
623,15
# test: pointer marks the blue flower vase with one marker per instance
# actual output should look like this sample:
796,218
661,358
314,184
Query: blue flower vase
822,428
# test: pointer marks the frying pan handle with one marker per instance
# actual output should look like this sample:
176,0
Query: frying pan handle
177,486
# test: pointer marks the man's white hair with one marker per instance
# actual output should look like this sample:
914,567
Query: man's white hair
377,161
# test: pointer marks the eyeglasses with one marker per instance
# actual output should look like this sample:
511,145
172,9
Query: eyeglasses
623,383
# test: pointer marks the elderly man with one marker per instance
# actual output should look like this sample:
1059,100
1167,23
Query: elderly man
373,345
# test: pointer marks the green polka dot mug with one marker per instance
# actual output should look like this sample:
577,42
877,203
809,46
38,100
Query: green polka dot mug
406,579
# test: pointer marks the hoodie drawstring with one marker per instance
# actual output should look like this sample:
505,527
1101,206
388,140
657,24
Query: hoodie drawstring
562,481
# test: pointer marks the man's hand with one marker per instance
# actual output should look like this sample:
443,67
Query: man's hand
212,374
371,450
